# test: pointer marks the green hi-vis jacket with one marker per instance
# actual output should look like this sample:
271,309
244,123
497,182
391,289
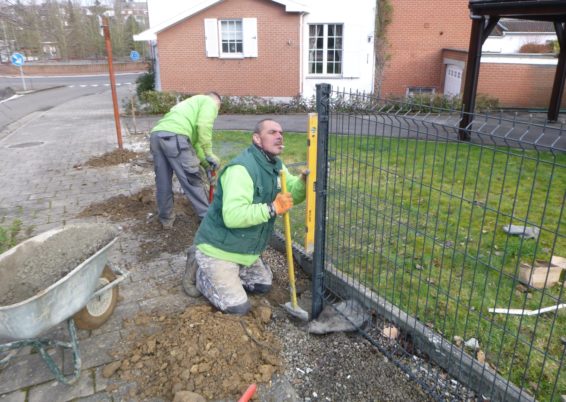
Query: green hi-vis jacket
237,226
193,117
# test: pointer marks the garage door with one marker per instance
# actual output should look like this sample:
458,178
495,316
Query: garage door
453,80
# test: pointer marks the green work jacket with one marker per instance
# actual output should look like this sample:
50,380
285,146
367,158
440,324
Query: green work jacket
194,118
237,226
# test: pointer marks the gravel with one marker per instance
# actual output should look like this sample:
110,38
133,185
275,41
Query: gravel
35,265
339,366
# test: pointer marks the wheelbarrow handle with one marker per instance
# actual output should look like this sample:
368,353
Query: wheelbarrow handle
121,274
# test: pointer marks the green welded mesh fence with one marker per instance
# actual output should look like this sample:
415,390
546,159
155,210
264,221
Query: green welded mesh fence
431,234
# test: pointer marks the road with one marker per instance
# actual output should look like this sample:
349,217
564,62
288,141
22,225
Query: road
45,92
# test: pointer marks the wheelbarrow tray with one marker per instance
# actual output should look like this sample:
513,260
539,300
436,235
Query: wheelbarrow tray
61,300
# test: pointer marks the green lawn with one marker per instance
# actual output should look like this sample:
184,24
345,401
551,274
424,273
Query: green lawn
420,223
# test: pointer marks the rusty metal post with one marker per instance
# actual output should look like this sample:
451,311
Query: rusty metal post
106,31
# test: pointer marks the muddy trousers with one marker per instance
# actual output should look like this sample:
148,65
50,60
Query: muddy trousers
225,283
174,153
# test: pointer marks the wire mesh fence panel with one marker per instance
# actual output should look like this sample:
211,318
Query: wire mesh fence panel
433,233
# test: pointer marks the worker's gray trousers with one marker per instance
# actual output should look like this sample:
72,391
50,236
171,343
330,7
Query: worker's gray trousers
225,283
174,153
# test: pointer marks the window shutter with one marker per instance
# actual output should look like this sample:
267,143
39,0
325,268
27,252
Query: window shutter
250,37
352,52
211,37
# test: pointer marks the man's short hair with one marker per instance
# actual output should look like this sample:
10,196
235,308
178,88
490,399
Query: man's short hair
214,94
259,125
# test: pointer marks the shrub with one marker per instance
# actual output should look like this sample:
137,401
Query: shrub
247,105
555,46
145,82
536,48
154,102
486,103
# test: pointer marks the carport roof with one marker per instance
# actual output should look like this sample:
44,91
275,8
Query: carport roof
545,10
485,16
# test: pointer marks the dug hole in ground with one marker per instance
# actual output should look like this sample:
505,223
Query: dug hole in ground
186,345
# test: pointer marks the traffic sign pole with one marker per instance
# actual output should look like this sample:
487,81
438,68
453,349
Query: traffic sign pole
23,79
18,60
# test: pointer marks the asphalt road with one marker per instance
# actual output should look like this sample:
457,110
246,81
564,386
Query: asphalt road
44,93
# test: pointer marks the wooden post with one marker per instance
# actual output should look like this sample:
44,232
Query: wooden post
472,75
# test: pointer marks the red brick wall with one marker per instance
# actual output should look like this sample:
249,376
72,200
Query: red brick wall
518,85
275,72
418,32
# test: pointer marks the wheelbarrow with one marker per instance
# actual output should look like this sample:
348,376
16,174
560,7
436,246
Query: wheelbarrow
86,295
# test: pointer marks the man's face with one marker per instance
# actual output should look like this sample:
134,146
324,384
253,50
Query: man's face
270,137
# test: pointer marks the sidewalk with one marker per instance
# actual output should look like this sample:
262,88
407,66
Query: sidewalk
44,184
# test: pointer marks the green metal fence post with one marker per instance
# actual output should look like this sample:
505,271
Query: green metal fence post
321,185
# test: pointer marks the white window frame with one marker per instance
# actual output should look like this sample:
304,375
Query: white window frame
231,31
213,38
325,50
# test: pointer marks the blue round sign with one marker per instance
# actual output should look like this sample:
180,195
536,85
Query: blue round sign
134,55
17,59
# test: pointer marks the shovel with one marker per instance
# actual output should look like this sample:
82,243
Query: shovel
291,307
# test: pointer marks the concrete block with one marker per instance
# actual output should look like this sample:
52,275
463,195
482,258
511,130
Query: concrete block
17,396
55,391
99,397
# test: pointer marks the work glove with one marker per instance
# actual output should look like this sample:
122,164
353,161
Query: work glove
304,174
213,163
283,202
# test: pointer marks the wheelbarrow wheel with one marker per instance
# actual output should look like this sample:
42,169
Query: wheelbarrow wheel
100,308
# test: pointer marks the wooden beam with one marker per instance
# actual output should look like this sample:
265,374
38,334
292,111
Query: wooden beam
489,27
472,75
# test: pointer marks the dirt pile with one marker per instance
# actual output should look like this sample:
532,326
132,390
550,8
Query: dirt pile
204,351
114,158
140,208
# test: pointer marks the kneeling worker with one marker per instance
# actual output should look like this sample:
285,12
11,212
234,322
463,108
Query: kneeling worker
225,260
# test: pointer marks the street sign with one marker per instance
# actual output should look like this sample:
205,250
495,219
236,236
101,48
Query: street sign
134,55
17,59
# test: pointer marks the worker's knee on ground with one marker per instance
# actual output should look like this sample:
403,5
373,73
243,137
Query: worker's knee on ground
239,309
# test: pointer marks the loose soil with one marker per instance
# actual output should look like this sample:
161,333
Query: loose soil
218,355
140,210
204,351
114,158
34,266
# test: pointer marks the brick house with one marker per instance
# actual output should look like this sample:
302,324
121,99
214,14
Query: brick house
282,48
425,51
268,48
414,40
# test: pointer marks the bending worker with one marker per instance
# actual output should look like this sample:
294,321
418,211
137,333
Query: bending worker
180,142
224,261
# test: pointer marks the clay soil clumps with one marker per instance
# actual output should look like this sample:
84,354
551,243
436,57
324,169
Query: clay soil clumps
204,351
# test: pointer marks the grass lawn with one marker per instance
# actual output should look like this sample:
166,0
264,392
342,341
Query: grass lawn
420,222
